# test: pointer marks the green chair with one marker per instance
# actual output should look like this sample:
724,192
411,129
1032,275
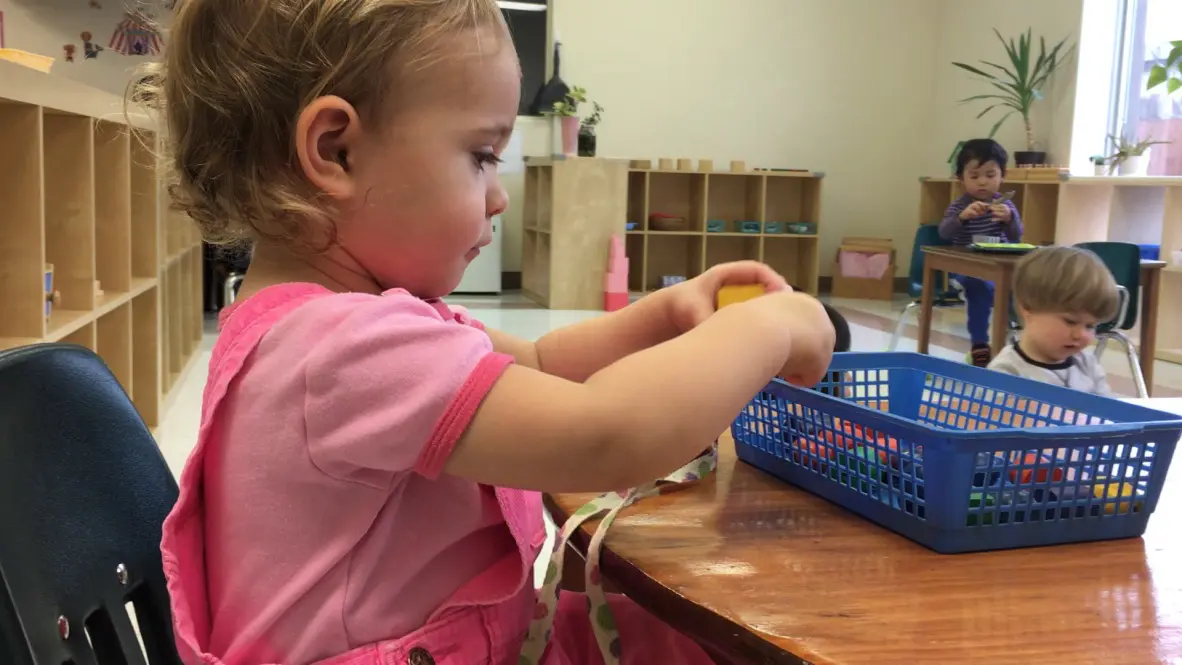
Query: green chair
1124,262
927,235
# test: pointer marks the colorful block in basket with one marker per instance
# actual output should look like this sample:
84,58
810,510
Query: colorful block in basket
1116,490
730,295
1026,476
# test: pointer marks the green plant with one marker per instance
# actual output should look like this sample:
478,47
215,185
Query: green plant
1169,73
1123,149
569,107
1098,160
589,123
1019,84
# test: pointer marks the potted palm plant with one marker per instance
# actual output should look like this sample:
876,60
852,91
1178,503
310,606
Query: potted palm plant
1018,84
567,111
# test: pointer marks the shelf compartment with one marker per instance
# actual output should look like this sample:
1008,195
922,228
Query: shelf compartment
538,212
64,322
680,195
634,245
665,254
22,241
638,199
112,194
735,197
795,258
145,206
191,301
1039,208
724,249
145,361
69,208
83,336
934,199
113,334
793,200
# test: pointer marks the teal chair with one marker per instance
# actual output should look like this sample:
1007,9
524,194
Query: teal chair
927,235
1124,262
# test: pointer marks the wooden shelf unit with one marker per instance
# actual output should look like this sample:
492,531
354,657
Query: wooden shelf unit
757,196
572,209
1037,202
1075,209
81,190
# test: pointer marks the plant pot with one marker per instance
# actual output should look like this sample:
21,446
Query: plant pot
1101,169
586,144
1029,158
570,135
1135,164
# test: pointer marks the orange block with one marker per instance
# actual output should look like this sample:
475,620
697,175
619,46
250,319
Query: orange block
730,295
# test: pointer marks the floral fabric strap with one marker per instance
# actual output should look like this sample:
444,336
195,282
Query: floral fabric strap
602,621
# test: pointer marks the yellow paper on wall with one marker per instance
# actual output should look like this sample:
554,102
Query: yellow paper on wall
41,63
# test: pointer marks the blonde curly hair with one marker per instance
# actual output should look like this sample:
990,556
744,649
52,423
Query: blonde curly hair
236,75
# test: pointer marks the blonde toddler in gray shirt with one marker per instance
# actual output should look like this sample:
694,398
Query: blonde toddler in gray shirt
1061,294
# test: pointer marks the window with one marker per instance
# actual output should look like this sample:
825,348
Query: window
527,24
1146,29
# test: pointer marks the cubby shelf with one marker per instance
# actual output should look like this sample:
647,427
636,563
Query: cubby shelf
725,199
81,195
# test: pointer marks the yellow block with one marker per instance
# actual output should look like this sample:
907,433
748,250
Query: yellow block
730,295
1116,491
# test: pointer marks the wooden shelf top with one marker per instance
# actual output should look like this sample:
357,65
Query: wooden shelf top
63,322
949,180
726,234
63,95
771,174
1125,180
559,159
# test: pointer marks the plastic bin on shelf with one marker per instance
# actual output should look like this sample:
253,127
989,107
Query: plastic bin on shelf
963,459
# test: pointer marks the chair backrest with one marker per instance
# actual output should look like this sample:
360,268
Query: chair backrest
84,492
927,235
1124,262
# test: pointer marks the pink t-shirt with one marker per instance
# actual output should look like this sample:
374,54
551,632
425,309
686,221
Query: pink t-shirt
328,521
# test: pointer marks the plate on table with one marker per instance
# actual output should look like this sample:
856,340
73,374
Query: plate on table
1003,247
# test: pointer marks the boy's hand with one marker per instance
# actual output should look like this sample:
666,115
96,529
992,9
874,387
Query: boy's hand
693,301
974,209
1001,213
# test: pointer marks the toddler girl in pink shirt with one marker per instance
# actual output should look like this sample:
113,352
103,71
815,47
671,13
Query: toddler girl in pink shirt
365,484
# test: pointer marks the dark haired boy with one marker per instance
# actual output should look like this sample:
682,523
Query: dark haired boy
980,168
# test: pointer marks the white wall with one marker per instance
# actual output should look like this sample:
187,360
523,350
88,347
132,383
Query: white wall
46,26
966,35
840,86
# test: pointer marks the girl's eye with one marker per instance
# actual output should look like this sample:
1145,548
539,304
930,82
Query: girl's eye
483,158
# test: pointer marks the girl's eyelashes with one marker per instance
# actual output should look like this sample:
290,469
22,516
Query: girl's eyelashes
485,157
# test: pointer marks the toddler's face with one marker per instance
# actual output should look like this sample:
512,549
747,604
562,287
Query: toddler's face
982,181
1057,336
426,184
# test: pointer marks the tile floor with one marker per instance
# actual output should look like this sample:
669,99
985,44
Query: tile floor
871,325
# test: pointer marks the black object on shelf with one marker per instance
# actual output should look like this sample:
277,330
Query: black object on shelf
554,91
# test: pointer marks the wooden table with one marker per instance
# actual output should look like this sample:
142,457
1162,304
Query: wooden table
999,269
761,572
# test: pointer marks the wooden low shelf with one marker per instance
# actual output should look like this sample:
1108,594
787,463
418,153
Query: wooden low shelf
81,190
1075,209
730,198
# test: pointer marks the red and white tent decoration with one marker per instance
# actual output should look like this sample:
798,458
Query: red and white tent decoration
135,35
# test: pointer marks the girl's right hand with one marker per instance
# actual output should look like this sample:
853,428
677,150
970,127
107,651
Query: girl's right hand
804,319
974,209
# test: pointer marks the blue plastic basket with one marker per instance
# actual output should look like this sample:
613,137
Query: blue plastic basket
963,459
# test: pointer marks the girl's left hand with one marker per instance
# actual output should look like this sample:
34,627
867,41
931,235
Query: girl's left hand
1001,213
693,301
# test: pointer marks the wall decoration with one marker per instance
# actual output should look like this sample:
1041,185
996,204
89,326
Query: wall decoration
69,49
135,35
90,50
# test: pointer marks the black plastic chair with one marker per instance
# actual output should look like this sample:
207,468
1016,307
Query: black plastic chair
83,495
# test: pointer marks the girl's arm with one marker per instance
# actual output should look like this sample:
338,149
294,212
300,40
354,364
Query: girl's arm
950,225
577,351
647,413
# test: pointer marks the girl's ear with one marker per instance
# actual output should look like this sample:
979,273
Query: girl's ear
325,131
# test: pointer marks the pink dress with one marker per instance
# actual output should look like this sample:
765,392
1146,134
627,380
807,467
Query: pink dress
315,523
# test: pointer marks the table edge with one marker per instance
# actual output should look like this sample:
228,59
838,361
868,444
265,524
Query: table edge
658,599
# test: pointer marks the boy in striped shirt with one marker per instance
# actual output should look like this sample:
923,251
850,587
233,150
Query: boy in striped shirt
980,167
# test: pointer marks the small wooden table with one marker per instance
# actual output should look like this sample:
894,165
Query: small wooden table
761,572
999,269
